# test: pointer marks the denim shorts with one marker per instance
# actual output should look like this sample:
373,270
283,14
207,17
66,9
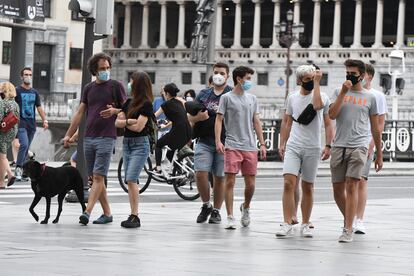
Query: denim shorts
135,153
206,159
98,152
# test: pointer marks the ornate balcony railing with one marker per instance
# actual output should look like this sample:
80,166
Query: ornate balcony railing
266,55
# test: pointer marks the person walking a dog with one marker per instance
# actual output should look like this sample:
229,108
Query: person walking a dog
7,105
135,118
99,101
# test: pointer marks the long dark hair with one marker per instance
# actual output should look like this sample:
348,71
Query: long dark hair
141,92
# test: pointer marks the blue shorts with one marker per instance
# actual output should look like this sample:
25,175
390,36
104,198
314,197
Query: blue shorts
98,152
206,159
135,153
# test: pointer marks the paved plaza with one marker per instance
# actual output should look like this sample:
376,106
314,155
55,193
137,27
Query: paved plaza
171,243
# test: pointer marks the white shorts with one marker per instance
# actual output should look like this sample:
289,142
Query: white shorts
302,161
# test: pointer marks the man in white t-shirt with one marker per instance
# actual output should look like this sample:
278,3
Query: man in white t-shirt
300,146
359,227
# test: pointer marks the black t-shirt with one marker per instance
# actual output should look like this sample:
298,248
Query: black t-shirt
175,112
145,110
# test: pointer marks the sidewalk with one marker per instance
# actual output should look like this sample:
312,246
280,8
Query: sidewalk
171,243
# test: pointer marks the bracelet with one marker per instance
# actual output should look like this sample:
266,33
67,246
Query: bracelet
264,145
45,121
126,122
328,146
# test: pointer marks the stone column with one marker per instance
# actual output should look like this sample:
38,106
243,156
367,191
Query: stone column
127,25
237,25
378,24
401,22
336,41
163,25
181,25
296,20
316,23
276,20
219,23
357,25
256,25
145,18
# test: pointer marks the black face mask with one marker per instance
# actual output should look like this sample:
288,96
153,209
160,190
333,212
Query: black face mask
308,86
353,79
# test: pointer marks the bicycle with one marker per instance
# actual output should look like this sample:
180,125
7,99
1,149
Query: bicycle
179,173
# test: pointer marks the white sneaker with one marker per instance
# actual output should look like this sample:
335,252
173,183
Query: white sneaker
231,223
18,173
359,227
245,219
285,230
306,231
346,236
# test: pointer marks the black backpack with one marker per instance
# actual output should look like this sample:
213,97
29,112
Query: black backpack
152,133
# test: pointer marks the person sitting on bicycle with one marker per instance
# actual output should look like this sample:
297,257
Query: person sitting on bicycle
180,133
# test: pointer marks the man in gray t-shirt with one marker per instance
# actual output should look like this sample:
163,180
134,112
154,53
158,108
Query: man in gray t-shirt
239,111
355,110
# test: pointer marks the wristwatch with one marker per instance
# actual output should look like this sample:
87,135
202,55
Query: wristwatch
328,146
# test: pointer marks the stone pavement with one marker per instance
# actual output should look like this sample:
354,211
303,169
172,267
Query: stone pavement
171,243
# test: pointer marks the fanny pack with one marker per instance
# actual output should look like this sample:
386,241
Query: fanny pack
307,115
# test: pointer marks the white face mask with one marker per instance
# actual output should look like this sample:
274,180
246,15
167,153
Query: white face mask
27,80
189,99
219,80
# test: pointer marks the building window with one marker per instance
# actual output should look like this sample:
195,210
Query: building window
6,52
262,79
203,78
46,8
324,80
152,76
186,77
75,58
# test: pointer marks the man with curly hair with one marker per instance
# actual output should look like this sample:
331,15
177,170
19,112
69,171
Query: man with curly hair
100,101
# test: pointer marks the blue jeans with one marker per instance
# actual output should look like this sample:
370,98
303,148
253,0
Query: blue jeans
135,153
25,137
98,152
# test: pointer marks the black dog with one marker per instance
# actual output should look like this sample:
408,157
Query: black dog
48,182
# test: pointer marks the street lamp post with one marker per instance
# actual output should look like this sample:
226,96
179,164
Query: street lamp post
396,68
287,33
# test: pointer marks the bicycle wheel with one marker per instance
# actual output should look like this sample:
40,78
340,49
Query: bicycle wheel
186,186
121,177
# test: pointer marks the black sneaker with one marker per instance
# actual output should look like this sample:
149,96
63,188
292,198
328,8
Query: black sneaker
132,222
205,212
215,217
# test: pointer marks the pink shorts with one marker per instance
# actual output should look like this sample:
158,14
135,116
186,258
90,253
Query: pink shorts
234,160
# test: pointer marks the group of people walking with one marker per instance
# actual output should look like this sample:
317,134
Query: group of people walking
226,130
358,113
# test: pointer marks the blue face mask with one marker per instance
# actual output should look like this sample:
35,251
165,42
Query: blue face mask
246,85
129,88
104,75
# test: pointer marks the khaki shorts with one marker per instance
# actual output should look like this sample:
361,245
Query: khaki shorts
347,162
